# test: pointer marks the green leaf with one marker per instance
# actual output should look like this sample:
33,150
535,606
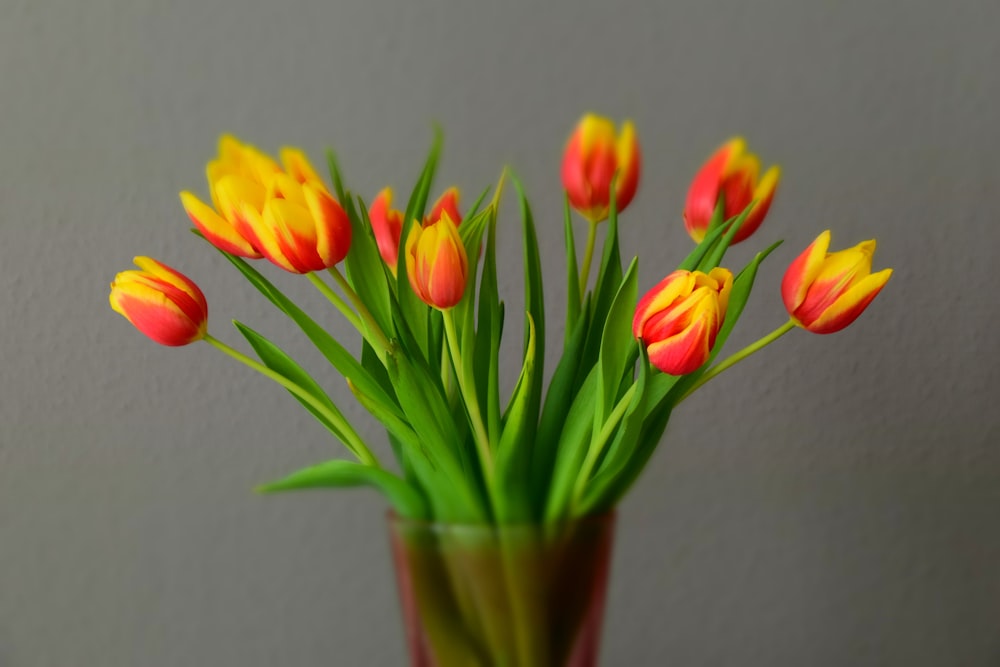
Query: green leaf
474,209
572,448
693,260
609,279
414,311
417,202
328,346
366,272
621,470
488,334
617,344
335,175
428,413
572,274
719,250
513,455
624,443
649,438
738,298
534,324
562,391
403,497
275,359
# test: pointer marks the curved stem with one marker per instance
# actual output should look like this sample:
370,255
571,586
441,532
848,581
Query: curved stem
588,256
470,399
351,439
372,326
740,356
339,303
597,445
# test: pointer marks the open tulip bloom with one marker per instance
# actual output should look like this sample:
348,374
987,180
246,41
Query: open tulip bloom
420,286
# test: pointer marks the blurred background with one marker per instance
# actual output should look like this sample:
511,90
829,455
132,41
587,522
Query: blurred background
835,500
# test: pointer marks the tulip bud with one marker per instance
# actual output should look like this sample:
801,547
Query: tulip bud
447,202
679,319
824,292
593,155
161,303
387,225
436,263
733,173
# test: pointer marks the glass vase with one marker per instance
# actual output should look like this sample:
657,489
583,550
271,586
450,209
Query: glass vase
502,596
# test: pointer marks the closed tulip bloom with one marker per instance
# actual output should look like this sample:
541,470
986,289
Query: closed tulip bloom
160,302
387,225
679,319
446,203
436,263
733,173
238,176
301,227
594,154
825,292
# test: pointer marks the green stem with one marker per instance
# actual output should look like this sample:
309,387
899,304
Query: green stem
374,330
470,399
739,356
335,299
446,373
597,444
588,256
351,438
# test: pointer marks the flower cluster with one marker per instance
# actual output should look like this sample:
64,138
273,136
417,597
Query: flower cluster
431,334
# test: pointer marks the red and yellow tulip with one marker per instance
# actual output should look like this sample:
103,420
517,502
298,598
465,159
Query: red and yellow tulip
446,203
160,302
284,213
594,154
825,292
238,175
733,173
387,222
301,227
436,262
387,225
679,319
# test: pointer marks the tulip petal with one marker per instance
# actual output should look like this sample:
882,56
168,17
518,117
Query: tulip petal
155,315
178,280
297,165
628,158
387,225
683,353
762,194
295,233
261,233
446,203
235,192
850,304
704,194
333,228
218,231
661,297
803,271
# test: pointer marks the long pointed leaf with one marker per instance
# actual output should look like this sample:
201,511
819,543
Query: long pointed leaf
403,497
328,346
278,361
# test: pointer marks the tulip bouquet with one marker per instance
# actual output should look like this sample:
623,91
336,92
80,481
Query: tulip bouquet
420,286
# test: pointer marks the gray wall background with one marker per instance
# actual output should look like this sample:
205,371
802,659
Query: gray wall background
833,501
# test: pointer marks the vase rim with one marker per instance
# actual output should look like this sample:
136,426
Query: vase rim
607,516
